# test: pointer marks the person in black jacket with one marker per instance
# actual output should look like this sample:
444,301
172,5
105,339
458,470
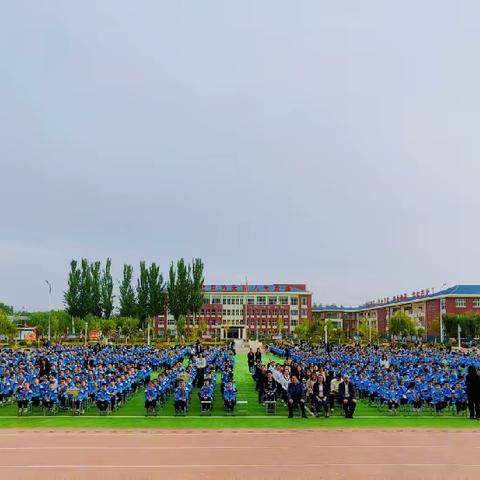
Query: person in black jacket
346,395
258,356
320,396
296,396
251,360
472,382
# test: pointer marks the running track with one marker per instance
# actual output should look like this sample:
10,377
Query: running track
239,454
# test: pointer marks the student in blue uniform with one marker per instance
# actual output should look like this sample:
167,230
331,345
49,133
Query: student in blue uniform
103,398
459,398
50,397
205,395
151,397
229,396
24,395
181,398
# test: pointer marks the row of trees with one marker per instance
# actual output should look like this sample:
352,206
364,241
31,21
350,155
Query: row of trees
90,290
468,322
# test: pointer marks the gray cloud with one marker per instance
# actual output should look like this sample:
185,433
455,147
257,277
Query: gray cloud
332,143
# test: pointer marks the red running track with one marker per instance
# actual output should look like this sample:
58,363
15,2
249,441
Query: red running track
239,454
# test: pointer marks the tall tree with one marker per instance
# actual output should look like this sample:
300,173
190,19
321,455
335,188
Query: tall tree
127,300
85,297
182,290
155,291
96,289
71,297
172,292
142,292
107,290
196,299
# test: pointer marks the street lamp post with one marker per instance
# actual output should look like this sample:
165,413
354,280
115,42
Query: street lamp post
49,308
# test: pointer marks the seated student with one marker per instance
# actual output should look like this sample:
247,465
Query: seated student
295,396
24,395
205,395
36,392
229,396
393,399
459,398
447,394
414,397
82,398
103,398
437,399
50,397
112,390
151,397
181,398
320,396
346,395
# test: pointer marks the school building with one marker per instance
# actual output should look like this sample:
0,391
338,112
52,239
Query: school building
424,306
244,311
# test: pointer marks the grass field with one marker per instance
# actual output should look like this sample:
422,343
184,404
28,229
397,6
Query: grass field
252,415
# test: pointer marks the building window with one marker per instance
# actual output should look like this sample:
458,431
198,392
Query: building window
304,301
206,300
304,312
261,300
476,303
250,301
294,323
216,300
224,301
294,301
283,300
460,302
294,313
272,300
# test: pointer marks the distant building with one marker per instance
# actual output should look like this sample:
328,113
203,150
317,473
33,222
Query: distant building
424,306
242,311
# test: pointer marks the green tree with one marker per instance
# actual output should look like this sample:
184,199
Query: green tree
302,330
107,290
6,308
172,292
127,300
7,328
181,325
178,289
156,294
71,297
196,299
96,289
85,296
142,293
401,324
129,325
280,324
109,327
368,332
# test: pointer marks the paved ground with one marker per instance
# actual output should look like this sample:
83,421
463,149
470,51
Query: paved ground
240,454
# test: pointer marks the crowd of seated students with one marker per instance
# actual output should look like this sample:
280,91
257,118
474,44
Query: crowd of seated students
212,360
73,377
385,376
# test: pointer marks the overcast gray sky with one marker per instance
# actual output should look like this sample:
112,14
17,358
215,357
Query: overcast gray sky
333,143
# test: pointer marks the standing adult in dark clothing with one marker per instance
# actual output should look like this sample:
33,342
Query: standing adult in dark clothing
296,396
472,382
251,360
258,356
45,367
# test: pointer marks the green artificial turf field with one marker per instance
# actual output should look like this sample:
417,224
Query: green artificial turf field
250,415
